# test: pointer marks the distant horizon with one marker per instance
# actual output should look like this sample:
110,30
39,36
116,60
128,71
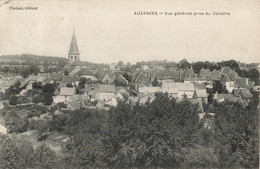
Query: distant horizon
130,62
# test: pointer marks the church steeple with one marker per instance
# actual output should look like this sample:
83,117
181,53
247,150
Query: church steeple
74,51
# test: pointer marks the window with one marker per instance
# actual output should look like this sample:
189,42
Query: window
71,57
75,57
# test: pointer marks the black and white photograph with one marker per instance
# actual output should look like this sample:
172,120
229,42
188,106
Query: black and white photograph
128,84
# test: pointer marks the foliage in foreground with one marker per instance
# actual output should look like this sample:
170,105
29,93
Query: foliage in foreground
161,134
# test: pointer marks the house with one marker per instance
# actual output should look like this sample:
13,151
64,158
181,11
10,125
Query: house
244,93
106,92
65,95
147,89
99,92
225,80
188,76
243,83
145,67
120,80
107,79
215,75
74,80
200,92
84,72
142,78
186,90
232,74
78,64
224,97
204,75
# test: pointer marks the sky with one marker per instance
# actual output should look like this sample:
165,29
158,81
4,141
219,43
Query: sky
108,31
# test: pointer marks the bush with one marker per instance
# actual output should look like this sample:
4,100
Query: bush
13,100
62,105
38,98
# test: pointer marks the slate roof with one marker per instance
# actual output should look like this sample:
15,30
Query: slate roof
67,91
245,93
70,79
204,73
97,88
84,71
228,97
215,75
107,88
199,86
188,75
73,46
201,93
242,83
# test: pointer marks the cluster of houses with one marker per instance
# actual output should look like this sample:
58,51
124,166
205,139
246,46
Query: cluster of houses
105,87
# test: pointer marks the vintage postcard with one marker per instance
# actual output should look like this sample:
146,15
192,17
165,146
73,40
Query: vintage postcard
129,84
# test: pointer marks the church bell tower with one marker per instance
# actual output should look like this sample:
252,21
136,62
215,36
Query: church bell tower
74,51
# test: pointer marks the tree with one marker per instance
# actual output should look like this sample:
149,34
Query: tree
184,64
155,82
9,155
120,63
218,87
44,157
37,85
47,99
38,98
69,85
66,73
48,89
13,100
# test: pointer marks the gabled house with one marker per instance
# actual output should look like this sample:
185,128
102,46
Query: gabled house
188,76
66,94
215,75
107,79
74,80
120,80
106,92
224,97
245,94
100,92
204,75
225,80
200,92
142,78
243,83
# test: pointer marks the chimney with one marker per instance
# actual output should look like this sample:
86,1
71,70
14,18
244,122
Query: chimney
246,81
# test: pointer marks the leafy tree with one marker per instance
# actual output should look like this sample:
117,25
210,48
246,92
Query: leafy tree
48,89
184,64
9,157
120,63
66,73
69,85
47,99
219,87
13,100
37,85
44,157
38,98
155,82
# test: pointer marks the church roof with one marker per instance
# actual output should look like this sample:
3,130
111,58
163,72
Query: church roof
73,46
